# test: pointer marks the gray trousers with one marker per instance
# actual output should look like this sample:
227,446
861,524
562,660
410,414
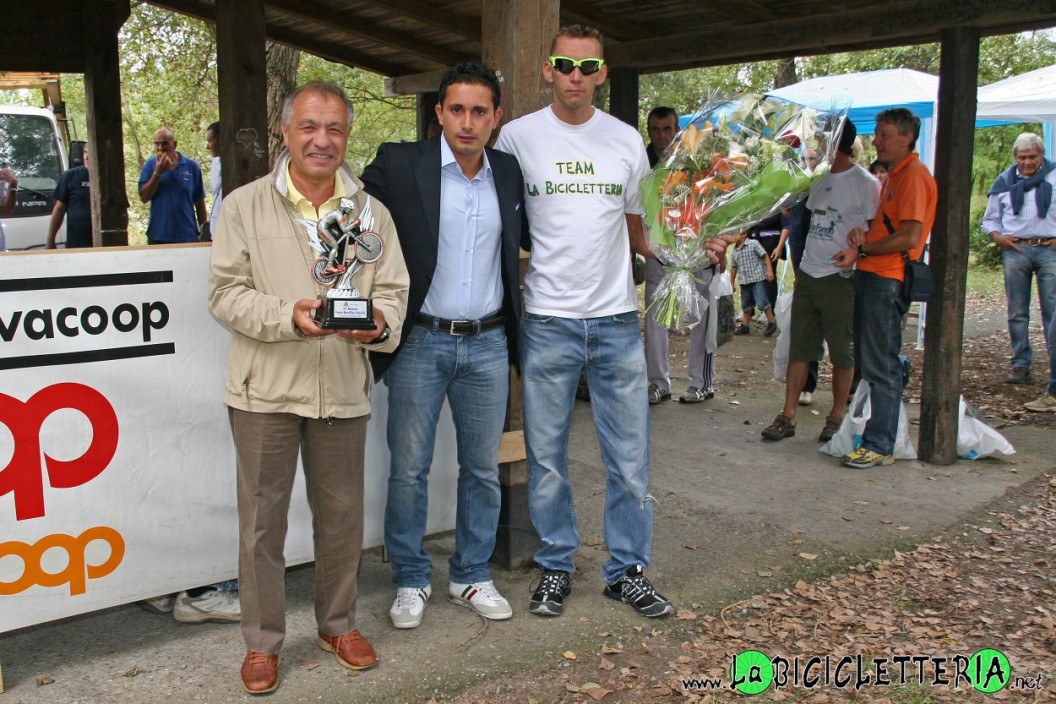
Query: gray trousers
266,447
701,362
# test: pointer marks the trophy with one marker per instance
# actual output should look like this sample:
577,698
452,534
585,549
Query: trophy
345,244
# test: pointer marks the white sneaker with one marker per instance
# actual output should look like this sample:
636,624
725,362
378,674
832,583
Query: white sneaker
213,605
805,398
406,611
159,605
482,597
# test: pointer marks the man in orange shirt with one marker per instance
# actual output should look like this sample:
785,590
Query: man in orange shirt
902,224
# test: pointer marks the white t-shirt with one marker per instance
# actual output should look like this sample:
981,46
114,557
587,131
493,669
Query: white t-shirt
3,194
218,194
838,203
580,183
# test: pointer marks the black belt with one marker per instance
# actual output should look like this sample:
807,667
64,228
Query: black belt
460,327
1035,241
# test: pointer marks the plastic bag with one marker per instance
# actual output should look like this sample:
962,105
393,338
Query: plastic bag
849,437
975,438
783,315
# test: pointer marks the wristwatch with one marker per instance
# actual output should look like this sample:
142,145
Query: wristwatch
861,252
381,338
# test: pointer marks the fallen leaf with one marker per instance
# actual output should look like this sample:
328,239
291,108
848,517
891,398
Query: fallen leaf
606,664
133,672
592,542
569,655
44,679
808,556
598,693
608,650
902,528
691,547
685,615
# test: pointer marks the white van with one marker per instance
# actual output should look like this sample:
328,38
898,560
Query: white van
32,147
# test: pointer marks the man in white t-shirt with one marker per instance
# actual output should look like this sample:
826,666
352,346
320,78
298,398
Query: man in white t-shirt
8,196
843,200
212,143
581,171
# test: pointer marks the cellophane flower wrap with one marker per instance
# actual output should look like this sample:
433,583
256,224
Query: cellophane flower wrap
737,162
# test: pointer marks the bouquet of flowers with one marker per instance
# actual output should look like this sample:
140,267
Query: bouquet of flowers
736,163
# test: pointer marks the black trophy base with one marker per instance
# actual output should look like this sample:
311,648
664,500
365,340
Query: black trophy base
346,314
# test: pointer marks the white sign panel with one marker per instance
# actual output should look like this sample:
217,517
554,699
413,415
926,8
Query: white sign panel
117,476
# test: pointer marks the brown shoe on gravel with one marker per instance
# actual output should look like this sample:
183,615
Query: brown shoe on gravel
351,650
832,424
260,672
781,428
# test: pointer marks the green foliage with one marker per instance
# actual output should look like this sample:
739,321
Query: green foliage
168,75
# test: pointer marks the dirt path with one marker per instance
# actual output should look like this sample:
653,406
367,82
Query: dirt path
986,584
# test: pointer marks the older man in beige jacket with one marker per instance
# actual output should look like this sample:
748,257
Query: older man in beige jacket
294,386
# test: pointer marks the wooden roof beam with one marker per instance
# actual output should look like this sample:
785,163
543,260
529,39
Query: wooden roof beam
350,25
466,27
332,51
870,27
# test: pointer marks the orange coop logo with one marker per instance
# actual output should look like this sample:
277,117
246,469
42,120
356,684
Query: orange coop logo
77,570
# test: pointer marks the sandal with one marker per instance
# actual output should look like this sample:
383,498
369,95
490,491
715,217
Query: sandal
832,425
781,428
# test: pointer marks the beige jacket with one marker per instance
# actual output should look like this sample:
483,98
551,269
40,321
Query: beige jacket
260,268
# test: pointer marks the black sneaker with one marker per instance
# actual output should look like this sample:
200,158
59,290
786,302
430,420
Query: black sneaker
548,596
634,589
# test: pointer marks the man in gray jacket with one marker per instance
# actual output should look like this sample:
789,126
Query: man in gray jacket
294,386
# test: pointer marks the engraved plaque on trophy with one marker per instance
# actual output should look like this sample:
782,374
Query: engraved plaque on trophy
345,245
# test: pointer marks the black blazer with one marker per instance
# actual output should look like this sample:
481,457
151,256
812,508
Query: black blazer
406,178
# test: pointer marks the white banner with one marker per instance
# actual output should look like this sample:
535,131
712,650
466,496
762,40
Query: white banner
117,477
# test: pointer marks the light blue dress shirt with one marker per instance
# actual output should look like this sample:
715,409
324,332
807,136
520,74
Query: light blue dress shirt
467,283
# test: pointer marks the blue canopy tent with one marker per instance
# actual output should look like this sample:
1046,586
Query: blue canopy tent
869,92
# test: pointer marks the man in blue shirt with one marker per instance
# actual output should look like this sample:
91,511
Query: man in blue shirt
173,186
457,207
73,198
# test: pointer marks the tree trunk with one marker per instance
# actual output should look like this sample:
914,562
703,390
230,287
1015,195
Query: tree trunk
785,75
282,77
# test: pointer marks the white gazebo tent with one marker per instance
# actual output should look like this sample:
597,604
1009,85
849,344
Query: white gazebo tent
1029,97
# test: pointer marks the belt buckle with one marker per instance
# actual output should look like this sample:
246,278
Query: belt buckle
452,331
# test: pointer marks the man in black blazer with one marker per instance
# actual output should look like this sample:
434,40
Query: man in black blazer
458,212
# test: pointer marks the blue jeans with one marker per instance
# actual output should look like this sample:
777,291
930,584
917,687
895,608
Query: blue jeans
472,372
754,295
554,351
1020,270
878,311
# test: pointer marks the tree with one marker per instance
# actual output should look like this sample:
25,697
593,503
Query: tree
282,63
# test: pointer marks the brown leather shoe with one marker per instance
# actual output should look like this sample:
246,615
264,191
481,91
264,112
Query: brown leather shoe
260,672
351,650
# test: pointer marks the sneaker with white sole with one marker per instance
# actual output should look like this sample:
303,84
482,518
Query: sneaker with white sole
693,394
657,394
634,589
407,610
213,605
806,398
548,594
158,605
1043,404
482,597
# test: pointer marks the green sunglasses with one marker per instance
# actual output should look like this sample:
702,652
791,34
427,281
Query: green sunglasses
565,65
